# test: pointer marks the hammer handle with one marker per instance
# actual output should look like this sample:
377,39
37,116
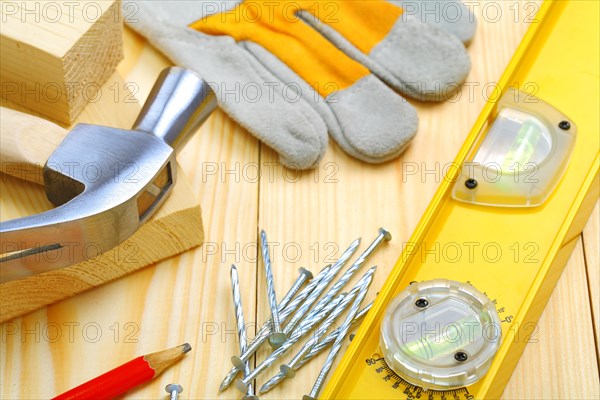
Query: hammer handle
180,101
26,142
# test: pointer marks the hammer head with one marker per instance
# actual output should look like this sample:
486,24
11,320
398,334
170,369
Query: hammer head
106,182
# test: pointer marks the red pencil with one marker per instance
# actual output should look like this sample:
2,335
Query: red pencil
126,376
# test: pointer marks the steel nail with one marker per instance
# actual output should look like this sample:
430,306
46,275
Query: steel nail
242,384
241,325
337,345
329,339
314,295
358,263
318,348
307,304
263,333
173,389
290,367
277,336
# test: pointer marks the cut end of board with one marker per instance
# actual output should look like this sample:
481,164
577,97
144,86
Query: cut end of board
56,65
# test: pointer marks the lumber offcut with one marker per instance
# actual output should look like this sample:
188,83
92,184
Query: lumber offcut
57,54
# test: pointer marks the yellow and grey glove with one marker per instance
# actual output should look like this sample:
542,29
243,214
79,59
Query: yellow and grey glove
291,71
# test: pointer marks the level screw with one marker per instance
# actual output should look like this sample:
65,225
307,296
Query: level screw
471,183
173,389
460,356
564,125
421,303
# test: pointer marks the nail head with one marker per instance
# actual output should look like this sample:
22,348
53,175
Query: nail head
304,271
238,362
241,386
387,236
287,371
173,387
277,339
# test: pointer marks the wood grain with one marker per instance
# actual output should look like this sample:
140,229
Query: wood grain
26,143
559,361
309,219
56,55
591,248
176,227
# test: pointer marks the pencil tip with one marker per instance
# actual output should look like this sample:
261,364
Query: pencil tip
185,348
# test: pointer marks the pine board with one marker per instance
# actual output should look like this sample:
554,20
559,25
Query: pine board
56,55
187,298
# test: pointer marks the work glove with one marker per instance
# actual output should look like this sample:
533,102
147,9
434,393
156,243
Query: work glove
292,71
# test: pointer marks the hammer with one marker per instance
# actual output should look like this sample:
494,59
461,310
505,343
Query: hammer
106,182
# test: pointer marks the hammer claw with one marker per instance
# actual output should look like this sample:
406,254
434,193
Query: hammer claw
107,182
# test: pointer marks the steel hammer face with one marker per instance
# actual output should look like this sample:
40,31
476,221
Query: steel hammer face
106,182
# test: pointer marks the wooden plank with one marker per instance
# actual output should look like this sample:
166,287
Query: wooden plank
190,293
27,142
187,298
591,246
559,360
217,161
363,197
56,55
356,198
176,227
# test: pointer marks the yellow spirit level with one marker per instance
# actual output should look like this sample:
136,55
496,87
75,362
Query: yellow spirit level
525,183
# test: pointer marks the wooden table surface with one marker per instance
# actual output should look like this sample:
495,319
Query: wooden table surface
309,217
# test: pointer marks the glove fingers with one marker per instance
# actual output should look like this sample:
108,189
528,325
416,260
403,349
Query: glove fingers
367,120
414,58
245,89
364,116
376,124
274,113
422,61
449,15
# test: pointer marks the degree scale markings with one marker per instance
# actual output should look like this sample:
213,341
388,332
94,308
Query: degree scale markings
412,391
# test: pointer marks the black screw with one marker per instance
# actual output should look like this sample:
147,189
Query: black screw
471,183
421,303
564,125
460,356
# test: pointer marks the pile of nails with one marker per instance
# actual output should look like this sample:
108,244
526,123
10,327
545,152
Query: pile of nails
302,315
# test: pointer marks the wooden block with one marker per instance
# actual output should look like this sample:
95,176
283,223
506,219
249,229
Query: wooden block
176,227
56,55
